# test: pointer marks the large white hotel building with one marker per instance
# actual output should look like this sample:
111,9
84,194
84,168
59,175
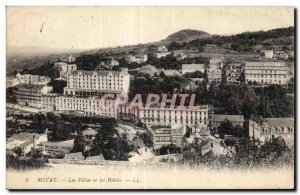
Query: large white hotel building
83,95
97,83
188,115
266,72
90,106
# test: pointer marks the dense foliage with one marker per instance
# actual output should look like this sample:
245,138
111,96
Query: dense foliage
58,86
47,69
270,101
227,128
249,155
107,142
17,160
245,41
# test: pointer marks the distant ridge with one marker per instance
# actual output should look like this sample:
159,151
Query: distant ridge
12,50
187,35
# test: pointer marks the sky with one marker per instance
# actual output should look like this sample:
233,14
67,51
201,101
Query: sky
100,27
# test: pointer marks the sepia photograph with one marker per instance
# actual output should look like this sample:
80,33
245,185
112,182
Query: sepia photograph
146,98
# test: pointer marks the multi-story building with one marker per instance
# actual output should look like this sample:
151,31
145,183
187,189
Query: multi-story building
233,72
281,55
166,135
33,79
188,68
179,55
167,116
111,62
162,51
170,72
214,75
31,95
216,63
266,72
127,112
267,129
137,58
149,69
161,54
108,63
92,106
97,83
49,101
65,69
267,54
12,81
152,70
162,48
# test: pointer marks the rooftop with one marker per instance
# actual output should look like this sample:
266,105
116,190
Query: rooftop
100,73
21,140
264,63
29,86
89,131
193,66
278,122
167,129
233,118
67,143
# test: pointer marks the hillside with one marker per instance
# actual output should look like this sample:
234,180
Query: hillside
187,35
246,42
192,42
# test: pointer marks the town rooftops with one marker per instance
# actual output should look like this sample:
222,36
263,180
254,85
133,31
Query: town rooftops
99,73
161,129
278,122
177,129
171,72
29,86
168,129
193,66
204,132
89,131
200,126
21,140
177,108
232,118
264,63
65,144
74,156
148,66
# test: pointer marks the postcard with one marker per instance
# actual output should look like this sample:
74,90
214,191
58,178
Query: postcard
115,98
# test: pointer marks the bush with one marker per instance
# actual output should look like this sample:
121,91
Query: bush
24,163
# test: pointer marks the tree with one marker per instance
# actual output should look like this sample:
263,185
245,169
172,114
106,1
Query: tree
197,74
227,128
109,143
18,151
58,86
175,46
78,143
